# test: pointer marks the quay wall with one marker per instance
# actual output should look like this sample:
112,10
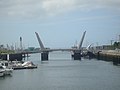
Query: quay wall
109,55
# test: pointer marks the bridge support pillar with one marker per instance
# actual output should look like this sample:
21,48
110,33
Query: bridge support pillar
44,56
76,55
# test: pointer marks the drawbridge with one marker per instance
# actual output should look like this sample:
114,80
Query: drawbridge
76,52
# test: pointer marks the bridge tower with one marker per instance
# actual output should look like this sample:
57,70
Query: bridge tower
44,54
77,53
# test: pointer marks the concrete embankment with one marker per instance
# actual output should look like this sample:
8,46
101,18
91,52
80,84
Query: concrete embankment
109,55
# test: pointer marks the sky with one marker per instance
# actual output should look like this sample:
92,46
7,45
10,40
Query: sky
60,23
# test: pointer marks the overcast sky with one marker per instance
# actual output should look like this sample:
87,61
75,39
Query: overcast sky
60,23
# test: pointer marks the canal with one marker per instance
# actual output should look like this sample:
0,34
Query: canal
63,73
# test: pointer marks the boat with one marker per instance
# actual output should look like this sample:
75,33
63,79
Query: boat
25,65
29,65
5,71
2,73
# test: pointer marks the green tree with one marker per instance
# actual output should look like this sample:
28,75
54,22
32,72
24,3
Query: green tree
117,45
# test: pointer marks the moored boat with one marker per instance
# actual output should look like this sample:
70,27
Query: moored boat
5,71
25,65
1,73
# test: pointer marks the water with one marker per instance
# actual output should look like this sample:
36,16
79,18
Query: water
62,73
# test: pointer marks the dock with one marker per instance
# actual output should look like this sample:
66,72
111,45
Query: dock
109,55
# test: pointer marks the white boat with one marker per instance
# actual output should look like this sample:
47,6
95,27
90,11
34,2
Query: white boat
5,71
25,65
29,65
2,73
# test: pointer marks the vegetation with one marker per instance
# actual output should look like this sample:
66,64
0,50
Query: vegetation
116,45
6,51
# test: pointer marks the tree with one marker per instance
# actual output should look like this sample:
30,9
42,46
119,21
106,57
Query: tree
117,45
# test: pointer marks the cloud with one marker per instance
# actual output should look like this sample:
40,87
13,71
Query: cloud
58,6
41,8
